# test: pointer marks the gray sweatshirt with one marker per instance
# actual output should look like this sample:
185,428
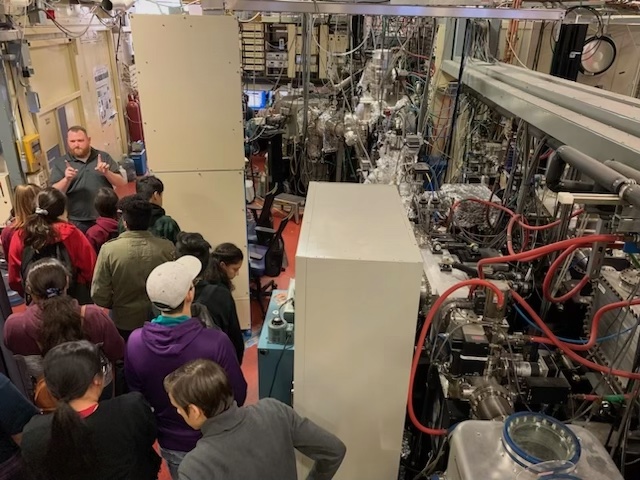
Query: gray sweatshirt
257,443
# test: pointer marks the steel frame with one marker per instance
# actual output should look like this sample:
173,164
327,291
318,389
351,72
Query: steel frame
582,117
360,8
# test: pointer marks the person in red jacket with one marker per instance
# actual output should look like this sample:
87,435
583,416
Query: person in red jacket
46,227
106,227
24,200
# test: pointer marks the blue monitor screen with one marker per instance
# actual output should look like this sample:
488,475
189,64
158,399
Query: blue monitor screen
257,98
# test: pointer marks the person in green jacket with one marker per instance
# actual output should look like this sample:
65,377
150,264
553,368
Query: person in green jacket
120,277
151,189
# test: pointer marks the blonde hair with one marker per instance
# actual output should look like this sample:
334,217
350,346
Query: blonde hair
25,203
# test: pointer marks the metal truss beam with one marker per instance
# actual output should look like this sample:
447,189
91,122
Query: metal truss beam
361,8
600,124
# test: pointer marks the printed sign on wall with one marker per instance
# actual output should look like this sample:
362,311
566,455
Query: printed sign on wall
103,90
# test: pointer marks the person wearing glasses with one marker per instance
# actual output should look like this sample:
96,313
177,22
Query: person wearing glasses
169,341
84,438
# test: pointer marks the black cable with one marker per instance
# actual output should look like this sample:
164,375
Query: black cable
275,371
120,21
456,102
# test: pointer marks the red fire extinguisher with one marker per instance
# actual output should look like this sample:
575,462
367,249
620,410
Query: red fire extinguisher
134,119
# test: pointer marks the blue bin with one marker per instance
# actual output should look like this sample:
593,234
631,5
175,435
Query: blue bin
140,161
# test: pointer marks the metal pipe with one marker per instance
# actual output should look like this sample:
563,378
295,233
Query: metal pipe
603,175
625,170
424,105
307,25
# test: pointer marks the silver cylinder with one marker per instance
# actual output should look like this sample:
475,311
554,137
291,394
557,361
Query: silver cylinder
277,330
491,401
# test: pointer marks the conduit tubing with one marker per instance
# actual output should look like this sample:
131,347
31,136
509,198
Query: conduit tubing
545,250
423,335
625,170
603,175
593,336
565,348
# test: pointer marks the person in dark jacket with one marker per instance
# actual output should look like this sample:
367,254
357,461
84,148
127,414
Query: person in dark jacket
15,413
85,439
162,225
226,262
168,342
106,227
124,264
258,441
217,298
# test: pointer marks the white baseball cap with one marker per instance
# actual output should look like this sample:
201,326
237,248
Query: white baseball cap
169,283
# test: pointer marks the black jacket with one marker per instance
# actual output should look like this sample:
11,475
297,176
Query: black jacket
123,430
219,301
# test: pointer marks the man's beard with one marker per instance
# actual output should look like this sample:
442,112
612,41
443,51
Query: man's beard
82,153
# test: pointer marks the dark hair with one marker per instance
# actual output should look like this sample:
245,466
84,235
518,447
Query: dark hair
69,370
202,383
194,244
136,212
106,203
60,319
77,128
147,186
228,254
38,228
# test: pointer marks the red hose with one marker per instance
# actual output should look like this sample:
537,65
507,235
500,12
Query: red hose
595,324
477,200
565,348
552,224
525,241
599,398
548,279
423,335
546,285
523,224
514,218
544,250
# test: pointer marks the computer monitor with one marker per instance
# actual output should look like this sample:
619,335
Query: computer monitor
257,98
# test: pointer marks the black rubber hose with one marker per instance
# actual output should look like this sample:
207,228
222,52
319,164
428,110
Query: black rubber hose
555,170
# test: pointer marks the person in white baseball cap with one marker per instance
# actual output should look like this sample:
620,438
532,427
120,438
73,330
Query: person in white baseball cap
169,341
170,285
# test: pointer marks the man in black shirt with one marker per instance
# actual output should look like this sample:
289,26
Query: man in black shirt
81,173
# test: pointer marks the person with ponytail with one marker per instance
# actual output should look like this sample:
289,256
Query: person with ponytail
46,233
225,265
25,205
86,439
54,317
216,297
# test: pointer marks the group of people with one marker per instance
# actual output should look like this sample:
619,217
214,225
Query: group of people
134,334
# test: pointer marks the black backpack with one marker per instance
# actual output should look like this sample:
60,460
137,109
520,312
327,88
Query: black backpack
53,250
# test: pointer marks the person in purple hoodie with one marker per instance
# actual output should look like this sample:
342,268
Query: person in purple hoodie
106,226
168,342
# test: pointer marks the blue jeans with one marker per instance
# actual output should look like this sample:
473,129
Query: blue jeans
173,459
